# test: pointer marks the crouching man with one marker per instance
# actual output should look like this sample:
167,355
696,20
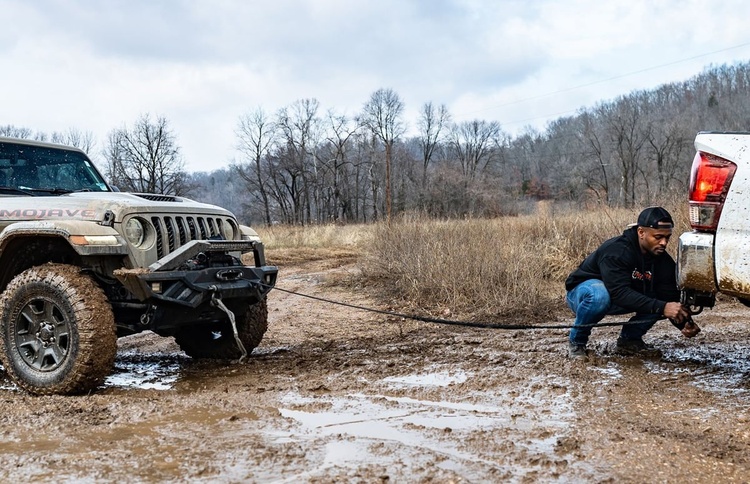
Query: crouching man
629,273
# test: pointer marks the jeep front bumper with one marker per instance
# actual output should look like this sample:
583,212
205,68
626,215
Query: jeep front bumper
166,282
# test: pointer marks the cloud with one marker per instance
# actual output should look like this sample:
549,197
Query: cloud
98,65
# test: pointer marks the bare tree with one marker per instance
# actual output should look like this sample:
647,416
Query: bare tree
592,169
72,137
298,127
256,134
472,143
432,121
84,141
666,145
146,158
334,158
15,131
628,132
382,115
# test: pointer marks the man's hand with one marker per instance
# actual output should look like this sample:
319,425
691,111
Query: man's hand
676,311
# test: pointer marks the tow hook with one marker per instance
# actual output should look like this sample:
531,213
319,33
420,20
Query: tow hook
148,316
216,301
229,275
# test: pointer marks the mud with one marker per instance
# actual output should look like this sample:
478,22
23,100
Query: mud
335,394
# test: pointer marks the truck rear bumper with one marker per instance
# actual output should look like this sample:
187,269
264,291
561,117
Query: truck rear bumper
696,273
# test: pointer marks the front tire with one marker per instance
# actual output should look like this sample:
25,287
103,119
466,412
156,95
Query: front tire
216,340
58,331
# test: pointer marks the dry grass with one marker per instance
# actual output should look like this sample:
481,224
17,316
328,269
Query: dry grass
510,267
293,244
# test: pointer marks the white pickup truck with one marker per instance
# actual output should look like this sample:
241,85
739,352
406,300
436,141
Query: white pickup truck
715,256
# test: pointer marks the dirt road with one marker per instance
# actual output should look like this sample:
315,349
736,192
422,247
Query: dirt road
335,394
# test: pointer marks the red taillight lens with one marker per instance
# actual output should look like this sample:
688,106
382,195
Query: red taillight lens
710,178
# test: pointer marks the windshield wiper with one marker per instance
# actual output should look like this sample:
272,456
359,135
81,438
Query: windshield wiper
54,191
16,191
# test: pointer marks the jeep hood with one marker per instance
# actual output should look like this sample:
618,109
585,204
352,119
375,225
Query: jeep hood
93,206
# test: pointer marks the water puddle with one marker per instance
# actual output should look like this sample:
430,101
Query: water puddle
723,369
449,431
610,373
157,371
438,379
148,372
130,371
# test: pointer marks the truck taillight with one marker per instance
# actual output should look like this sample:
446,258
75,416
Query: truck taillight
710,178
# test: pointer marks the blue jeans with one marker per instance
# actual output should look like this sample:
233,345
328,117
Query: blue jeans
590,302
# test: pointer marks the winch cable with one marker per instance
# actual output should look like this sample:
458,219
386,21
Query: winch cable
216,301
451,322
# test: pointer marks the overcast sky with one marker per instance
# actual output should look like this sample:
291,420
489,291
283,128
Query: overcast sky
98,65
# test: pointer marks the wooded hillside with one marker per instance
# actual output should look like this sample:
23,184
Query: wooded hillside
306,164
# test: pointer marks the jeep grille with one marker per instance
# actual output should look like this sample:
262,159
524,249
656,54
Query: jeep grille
172,232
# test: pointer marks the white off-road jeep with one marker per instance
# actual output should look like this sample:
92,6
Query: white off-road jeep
82,264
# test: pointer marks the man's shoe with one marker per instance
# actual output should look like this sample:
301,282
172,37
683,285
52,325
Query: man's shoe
576,350
636,347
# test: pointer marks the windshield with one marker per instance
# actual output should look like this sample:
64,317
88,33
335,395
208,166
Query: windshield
41,170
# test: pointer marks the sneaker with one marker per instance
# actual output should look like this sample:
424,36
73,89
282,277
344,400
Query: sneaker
576,350
636,347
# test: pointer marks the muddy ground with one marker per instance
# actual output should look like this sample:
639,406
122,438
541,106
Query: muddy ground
335,394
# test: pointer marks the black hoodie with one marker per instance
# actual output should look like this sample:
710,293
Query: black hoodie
637,282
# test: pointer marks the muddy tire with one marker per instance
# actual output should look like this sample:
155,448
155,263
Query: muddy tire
58,332
216,340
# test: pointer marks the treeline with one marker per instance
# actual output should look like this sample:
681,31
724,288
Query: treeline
302,165
305,164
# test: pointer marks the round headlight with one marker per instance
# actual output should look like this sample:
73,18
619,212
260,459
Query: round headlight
227,230
134,232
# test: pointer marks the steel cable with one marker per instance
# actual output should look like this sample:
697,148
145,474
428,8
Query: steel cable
452,322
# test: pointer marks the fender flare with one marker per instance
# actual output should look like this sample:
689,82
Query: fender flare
84,237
